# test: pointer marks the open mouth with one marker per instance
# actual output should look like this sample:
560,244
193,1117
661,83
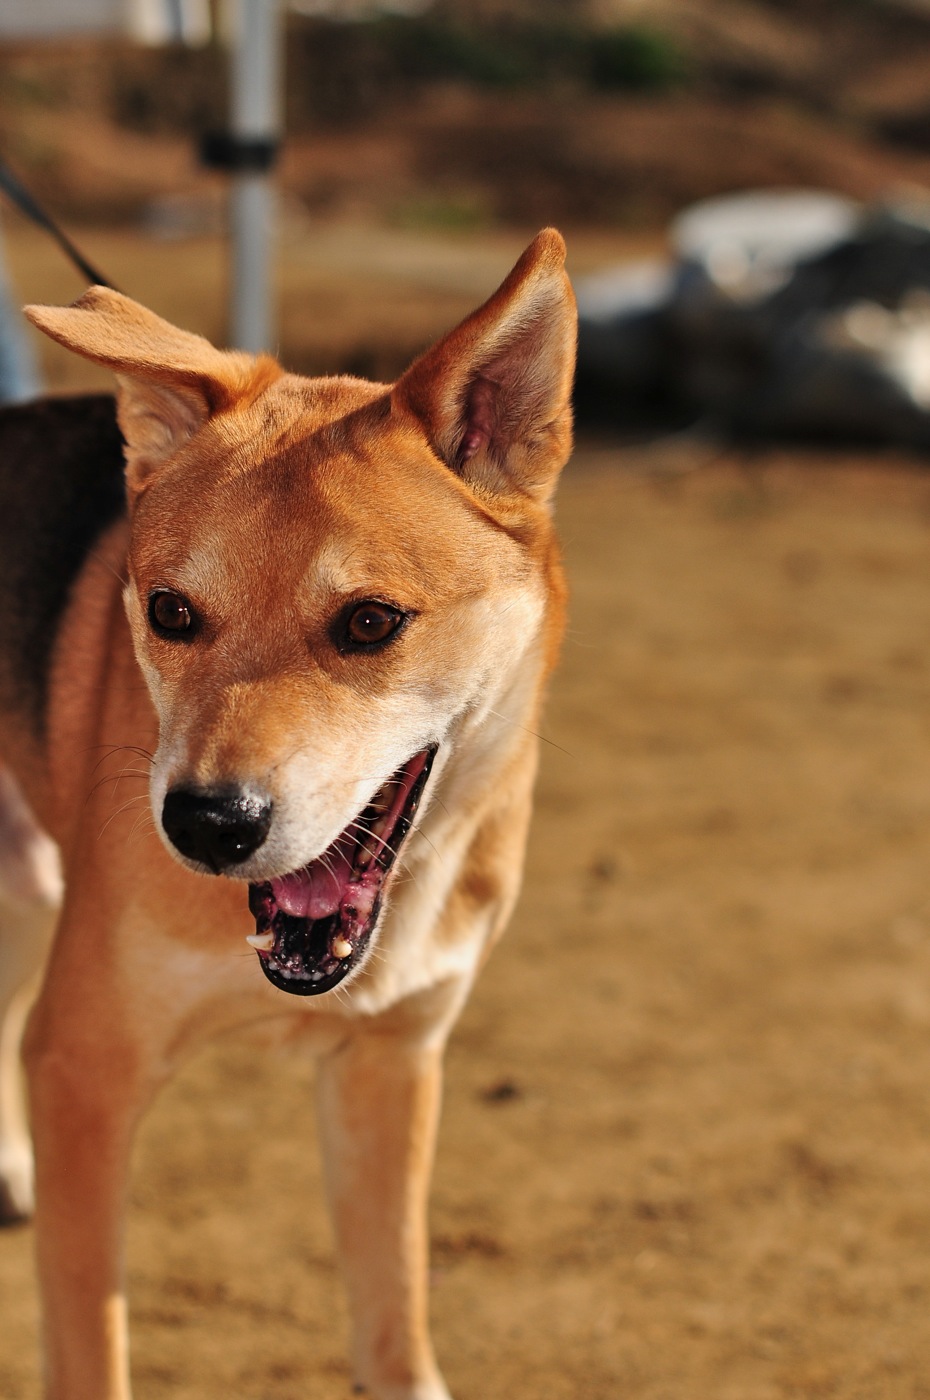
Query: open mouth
312,927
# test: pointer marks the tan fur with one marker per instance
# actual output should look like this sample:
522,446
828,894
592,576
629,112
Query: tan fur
268,500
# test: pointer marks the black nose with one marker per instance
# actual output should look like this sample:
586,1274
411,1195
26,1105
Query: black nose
218,829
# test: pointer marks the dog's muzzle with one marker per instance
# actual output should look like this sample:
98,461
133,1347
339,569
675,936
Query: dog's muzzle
313,926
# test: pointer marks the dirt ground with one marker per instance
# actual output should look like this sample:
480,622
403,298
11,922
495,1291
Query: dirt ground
686,1143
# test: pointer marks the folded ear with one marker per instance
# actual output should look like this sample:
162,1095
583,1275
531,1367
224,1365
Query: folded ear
494,396
170,381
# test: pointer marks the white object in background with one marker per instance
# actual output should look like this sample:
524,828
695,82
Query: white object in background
151,21
169,21
41,19
19,370
748,244
629,289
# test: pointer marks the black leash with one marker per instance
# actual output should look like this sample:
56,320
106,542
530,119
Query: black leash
17,193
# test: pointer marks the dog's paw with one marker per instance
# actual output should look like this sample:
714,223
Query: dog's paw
17,1192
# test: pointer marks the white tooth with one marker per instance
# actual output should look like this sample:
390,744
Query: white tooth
341,948
264,942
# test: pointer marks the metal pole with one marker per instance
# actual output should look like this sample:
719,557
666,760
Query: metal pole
255,74
19,372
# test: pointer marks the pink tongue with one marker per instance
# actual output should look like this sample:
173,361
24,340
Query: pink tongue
316,891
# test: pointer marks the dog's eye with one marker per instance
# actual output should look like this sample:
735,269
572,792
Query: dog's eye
171,616
370,624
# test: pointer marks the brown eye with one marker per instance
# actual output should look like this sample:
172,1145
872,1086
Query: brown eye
171,616
369,624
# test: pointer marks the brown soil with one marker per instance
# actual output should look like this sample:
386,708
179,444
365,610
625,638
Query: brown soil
686,1142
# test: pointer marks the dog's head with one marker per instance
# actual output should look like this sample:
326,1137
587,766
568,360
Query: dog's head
329,582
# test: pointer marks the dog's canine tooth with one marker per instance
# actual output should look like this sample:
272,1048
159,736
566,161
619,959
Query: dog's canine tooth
341,947
264,942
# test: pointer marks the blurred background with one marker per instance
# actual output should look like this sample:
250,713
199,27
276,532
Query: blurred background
686,1146
423,142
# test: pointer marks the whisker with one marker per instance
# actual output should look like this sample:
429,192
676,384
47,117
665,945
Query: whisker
342,995
119,811
115,778
110,749
415,827
140,821
535,732
357,826
99,559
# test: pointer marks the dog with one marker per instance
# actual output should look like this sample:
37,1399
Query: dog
316,618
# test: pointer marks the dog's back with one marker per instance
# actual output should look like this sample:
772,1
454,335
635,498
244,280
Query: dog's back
61,481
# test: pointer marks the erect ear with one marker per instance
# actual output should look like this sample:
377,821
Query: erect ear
494,396
170,381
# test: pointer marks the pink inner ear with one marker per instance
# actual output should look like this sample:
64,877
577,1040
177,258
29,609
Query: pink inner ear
479,420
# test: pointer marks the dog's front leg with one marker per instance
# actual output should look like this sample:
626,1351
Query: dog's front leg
30,893
88,1082
379,1104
